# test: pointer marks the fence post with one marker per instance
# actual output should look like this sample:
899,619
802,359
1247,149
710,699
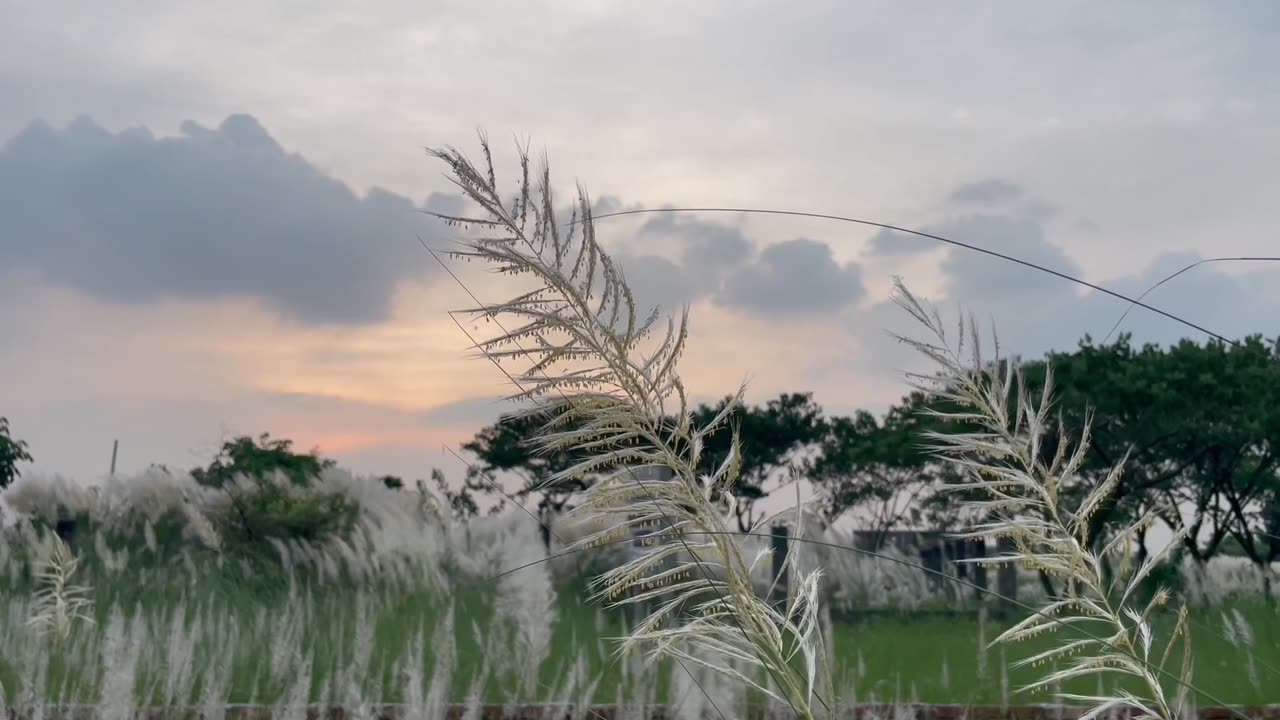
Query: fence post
779,577
980,570
1006,577
642,543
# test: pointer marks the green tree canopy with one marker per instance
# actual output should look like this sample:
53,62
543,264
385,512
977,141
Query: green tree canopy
12,452
264,508
878,467
1194,426
256,459
771,437
508,446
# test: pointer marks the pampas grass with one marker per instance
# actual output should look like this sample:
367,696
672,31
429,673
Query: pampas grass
59,602
1027,499
609,382
180,624
605,373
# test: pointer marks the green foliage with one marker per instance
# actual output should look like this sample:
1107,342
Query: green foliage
12,452
876,466
508,446
769,437
462,503
244,456
1194,425
264,507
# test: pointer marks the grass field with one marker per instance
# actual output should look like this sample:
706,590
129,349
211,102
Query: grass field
414,616
367,636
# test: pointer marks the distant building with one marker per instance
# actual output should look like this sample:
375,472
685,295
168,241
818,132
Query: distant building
937,552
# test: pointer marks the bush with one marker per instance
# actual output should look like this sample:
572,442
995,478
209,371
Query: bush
267,507
270,489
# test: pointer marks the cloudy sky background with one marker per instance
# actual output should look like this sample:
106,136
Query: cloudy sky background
208,218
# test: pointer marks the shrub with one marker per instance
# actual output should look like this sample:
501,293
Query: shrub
268,507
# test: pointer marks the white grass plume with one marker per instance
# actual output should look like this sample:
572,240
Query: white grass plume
59,603
1003,458
527,601
609,385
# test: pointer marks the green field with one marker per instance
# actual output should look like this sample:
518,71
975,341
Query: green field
364,632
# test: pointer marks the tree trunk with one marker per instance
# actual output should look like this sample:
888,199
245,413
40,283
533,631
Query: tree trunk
1046,582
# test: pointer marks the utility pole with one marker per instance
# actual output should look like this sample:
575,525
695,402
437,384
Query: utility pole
115,446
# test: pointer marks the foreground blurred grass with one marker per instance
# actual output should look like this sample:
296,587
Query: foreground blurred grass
236,619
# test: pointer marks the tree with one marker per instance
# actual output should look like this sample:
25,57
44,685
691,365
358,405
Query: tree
265,508
770,438
462,503
244,456
1193,426
12,452
506,446
875,466
1232,449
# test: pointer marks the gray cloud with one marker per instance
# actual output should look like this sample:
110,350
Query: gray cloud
1019,231
718,261
888,243
1234,305
705,252
986,192
705,247
658,282
478,411
1087,225
1180,112
446,204
1035,312
980,202
794,276
215,212
972,274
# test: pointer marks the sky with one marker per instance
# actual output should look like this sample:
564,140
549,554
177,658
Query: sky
209,213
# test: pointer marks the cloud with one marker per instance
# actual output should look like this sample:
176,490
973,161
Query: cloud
973,274
671,260
971,207
796,276
472,411
703,259
985,192
658,282
1006,220
1035,312
890,243
705,247
1230,303
215,212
